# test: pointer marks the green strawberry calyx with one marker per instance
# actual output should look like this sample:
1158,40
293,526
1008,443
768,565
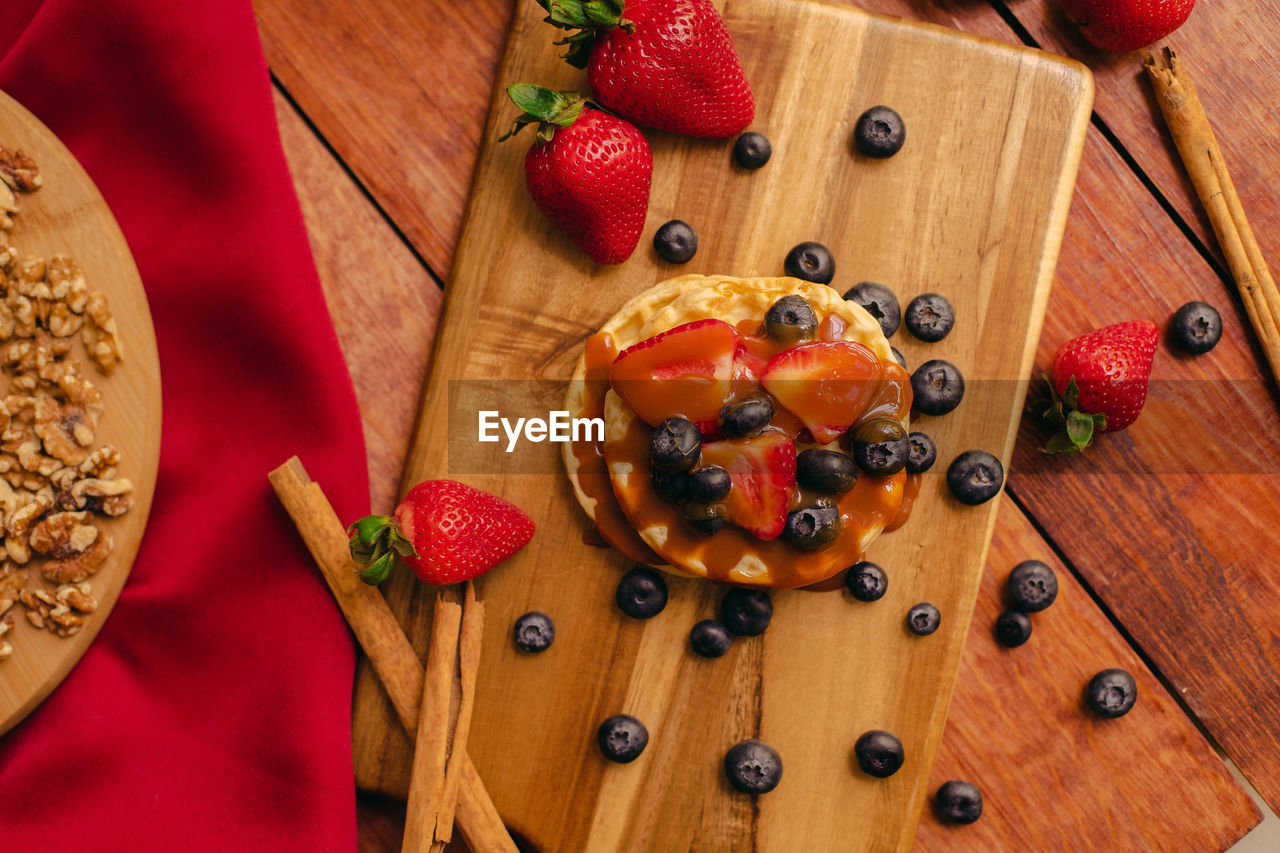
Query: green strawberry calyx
588,17
376,541
1076,427
547,108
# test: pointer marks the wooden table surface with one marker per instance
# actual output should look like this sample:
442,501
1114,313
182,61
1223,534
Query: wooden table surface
1159,535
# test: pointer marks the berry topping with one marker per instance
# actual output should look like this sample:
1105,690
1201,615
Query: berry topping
879,753
674,446
922,453
752,150
930,317
811,527
879,132
642,593
763,472
622,738
880,446
923,619
1195,328
959,802
753,767
867,582
710,639
709,483
746,612
686,370
672,488
827,471
827,385
746,415
1013,628
534,632
1032,586
676,242
1111,693
936,387
791,319
812,262
880,302
706,518
975,477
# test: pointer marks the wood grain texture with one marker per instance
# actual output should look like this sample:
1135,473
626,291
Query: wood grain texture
1018,729
984,229
69,216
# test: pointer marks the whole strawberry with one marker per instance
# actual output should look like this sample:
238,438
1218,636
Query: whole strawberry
588,171
446,531
665,64
1098,382
1124,25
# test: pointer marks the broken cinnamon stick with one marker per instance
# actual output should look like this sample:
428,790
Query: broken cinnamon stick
383,641
1198,147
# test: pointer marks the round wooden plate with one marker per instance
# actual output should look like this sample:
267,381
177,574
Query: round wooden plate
69,215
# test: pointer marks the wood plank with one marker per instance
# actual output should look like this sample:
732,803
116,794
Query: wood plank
1052,775
384,304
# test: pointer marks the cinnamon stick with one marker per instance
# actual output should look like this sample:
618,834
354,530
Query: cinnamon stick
469,638
383,641
1198,147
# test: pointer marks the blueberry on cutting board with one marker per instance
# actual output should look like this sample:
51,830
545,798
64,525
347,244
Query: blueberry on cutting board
534,632
622,738
879,753
753,767
642,593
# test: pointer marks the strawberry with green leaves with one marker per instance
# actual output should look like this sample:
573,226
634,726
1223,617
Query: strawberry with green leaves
665,64
1098,382
446,531
587,170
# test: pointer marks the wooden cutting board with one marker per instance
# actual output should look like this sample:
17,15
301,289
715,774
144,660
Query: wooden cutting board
972,207
68,215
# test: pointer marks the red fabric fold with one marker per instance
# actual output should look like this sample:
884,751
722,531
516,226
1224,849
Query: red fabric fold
213,710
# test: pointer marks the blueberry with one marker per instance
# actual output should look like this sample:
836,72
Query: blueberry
827,471
791,319
622,738
746,415
975,477
710,483
642,593
753,767
746,612
812,262
710,639
752,150
534,632
922,453
1032,586
676,242
936,387
706,518
879,753
672,488
879,446
959,802
1013,628
879,132
1111,693
1196,328
811,527
930,317
899,357
674,446
880,303
923,619
867,581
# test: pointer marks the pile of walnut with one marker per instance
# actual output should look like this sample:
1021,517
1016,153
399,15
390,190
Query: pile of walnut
52,479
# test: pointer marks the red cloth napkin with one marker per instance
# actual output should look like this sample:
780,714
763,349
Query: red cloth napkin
213,710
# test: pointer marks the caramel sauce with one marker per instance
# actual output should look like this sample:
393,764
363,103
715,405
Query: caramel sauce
593,475
909,494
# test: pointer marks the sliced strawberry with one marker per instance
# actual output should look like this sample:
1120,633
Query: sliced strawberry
686,371
826,385
747,366
763,471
